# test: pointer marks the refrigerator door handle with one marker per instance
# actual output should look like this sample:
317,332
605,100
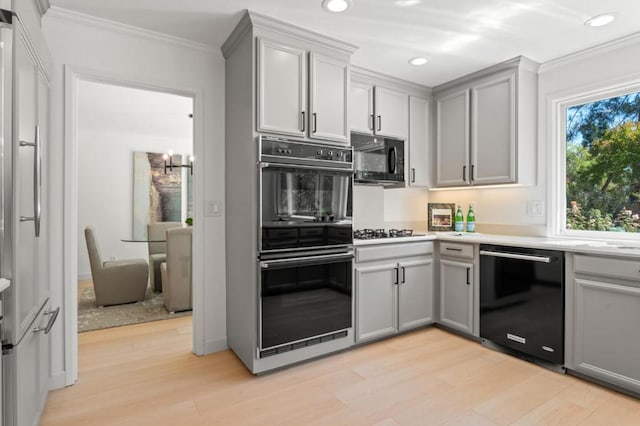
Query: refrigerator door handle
50,323
36,182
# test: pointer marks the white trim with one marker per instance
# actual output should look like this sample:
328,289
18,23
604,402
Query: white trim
629,40
57,381
212,346
558,104
65,15
70,232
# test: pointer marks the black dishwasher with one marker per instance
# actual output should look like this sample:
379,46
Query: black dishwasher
522,300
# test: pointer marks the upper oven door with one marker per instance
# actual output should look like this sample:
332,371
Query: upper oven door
304,207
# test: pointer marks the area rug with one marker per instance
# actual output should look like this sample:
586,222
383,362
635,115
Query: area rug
90,317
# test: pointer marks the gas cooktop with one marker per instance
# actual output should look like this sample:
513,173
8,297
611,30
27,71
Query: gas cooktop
372,234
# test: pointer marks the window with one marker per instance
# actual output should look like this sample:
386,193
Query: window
602,165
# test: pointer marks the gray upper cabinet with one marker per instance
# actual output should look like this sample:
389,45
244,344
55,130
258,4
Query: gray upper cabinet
282,88
361,108
390,110
486,126
493,130
452,139
283,84
377,110
418,142
329,88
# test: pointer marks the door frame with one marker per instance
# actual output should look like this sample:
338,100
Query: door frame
72,75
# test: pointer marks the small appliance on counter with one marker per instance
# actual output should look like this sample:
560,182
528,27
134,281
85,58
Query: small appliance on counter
378,161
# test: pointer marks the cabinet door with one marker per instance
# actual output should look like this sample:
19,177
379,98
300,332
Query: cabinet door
456,295
493,130
329,88
376,301
361,108
415,293
452,139
282,87
606,334
27,298
418,142
390,113
43,244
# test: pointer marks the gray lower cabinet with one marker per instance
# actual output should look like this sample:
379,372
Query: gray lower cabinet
604,331
456,295
393,294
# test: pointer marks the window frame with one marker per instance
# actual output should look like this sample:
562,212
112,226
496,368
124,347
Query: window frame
558,184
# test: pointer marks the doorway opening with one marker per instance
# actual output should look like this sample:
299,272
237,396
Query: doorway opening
123,187
87,105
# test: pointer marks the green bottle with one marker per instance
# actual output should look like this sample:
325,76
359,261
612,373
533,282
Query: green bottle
458,224
471,220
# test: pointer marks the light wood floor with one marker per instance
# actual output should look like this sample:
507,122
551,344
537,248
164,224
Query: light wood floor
145,375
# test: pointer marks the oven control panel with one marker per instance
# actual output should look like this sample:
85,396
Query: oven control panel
283,148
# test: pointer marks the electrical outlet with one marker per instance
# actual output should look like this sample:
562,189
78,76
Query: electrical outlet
535,208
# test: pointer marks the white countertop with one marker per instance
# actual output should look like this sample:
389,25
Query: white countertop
563,244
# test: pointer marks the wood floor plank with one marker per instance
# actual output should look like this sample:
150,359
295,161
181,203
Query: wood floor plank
145,374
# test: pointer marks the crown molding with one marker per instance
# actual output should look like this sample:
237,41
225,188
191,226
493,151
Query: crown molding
581,55
374,77
65,15
251,19
43,6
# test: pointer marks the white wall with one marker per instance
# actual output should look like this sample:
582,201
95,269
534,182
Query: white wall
155,61
113,123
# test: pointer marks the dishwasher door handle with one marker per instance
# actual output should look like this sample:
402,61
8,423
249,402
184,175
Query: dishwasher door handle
531,258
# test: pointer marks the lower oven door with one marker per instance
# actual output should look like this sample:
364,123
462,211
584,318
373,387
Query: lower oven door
304,300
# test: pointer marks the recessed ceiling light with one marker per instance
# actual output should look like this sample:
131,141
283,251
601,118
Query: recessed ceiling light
600,20
336,6
406,3
418,60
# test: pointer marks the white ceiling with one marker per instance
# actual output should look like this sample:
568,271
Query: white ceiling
460,36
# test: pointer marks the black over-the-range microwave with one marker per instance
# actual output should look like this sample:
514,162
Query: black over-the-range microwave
378,160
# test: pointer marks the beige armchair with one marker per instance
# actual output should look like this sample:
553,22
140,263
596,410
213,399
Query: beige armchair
115,282
158,250
176,271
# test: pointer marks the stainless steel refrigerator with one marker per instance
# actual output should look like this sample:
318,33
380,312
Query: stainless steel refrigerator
27,314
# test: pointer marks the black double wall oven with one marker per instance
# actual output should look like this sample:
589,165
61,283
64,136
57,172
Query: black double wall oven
305,244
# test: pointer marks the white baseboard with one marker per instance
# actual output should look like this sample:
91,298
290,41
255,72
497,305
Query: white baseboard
213,346
58,380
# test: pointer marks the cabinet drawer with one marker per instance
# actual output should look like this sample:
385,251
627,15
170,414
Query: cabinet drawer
464,251
608,267
393,251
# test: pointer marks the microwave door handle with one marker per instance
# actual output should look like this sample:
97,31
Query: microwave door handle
306,261
392,160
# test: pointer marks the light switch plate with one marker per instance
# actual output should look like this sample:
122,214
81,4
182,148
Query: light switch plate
213,208
535,208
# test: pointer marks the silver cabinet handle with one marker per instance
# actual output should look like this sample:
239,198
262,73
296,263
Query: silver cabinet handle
315,123
413,175
52,320
379,123
37,172
464,173
372,119
403,275
395,276
303,121
468,283
471,177
532,258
